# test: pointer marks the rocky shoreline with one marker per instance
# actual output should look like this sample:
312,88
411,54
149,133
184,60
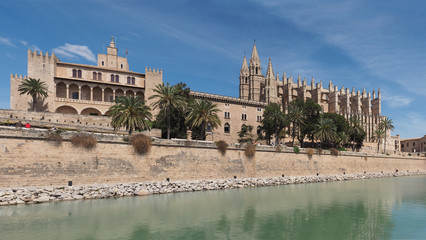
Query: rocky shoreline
14,196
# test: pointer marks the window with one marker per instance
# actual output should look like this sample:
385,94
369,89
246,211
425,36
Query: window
414,144
112,77
121,66
259,109
259,118
133,81
244,107
75,95
246,79
227,128
244,116
227,115
79,73
226,104
95,75
99,76
117,78
128,80
102,63
74,73
402,145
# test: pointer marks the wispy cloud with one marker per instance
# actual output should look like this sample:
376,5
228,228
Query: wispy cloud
396,101
75,51
6,41
25,43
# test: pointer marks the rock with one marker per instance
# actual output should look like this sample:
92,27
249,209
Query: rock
42,199
143,192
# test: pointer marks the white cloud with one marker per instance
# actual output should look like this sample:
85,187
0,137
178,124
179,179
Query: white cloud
6,41
25,43
396,101
74,51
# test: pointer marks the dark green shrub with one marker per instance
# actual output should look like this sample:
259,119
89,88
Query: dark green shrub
222,146
141,143
296,149
84,140
250,150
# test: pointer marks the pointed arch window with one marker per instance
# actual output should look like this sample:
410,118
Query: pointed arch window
99,76
227,128
133,81
112,77
117,78
79,73
74,73
95,75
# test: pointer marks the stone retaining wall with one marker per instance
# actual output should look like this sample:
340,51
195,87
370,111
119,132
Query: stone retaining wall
33,161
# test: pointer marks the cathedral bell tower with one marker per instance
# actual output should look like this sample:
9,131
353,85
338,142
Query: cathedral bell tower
255,76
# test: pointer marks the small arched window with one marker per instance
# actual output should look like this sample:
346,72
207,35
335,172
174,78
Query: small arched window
95,75
102,63
128,80
74,73
227,128
133,80
121,66
99,76
117,78
79,73
112,77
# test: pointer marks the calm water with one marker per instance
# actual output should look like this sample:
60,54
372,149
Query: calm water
393,208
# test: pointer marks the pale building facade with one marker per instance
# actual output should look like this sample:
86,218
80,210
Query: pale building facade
91,90
414,144
83,89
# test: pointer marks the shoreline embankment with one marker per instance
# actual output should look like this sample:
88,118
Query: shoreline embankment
32,195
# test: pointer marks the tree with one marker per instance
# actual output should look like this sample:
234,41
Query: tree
386,124
312,112
178,127
168,96
130,112
202,113
296,117
325,131
273,121
35,88
245,135
378,135
341,139
356,133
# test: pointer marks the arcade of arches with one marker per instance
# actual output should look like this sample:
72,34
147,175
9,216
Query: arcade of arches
95,94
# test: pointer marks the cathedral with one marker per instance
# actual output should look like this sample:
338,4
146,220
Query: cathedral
255,86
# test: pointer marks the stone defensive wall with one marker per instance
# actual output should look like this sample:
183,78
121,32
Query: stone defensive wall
49,119
28,159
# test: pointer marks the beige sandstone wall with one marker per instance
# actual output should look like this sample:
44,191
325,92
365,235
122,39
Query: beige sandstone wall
35,162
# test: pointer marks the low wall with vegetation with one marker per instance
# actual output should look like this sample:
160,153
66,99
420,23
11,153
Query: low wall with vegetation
30,160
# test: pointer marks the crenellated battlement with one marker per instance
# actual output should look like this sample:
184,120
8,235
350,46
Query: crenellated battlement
154,71
34,55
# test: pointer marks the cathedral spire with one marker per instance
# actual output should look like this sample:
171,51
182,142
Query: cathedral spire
254,64
270,71
244,67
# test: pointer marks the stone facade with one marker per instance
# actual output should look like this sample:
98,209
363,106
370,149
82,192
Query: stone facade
414,144
91,90
83,89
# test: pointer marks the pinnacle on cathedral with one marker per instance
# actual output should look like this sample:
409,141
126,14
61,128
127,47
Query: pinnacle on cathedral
244,68
255,68
270,71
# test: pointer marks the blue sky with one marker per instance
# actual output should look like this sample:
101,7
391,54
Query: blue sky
361,44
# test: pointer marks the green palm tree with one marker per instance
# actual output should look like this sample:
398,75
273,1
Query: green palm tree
297,117
341,139
130,112
203,113
35,88
167,96
386,124
378,135
275,116
355,129
325,131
